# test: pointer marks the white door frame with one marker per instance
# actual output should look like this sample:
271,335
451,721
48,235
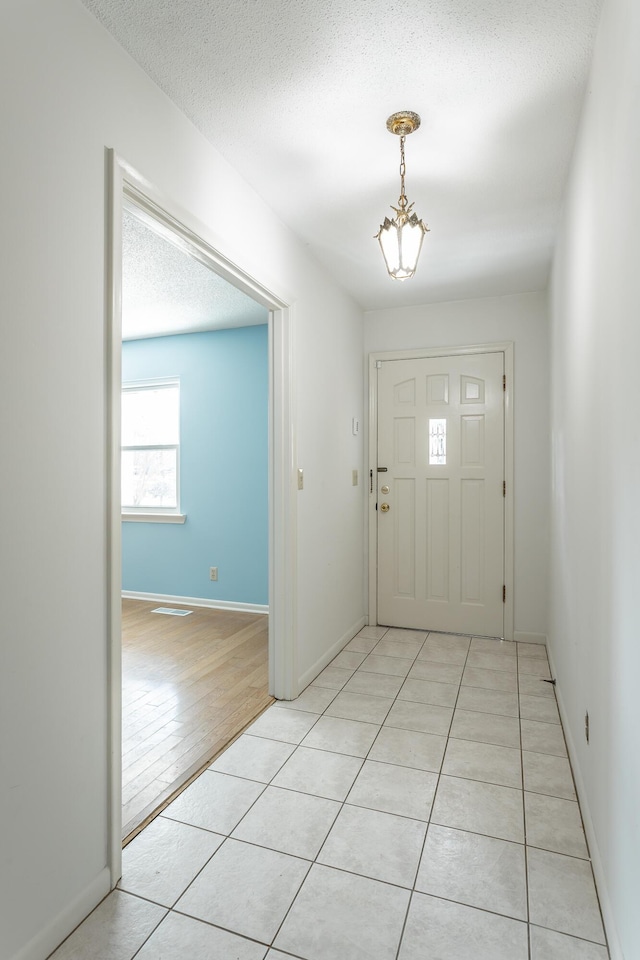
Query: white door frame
507,348
123,181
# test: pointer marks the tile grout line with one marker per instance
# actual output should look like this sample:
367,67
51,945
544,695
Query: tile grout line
344,803
524,814
366,756
228,837
339,811
433,801
388,883
586,840
570,856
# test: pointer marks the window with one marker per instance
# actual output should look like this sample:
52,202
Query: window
151,449
437,442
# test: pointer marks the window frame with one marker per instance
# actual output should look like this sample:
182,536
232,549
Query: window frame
147,514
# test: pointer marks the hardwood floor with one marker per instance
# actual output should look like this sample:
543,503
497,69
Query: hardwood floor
190,685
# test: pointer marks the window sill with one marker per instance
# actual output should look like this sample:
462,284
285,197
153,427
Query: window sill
154,517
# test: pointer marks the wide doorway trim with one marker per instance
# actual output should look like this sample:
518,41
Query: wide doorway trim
125,183
505,347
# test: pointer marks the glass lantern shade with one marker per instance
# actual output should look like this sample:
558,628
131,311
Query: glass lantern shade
401,241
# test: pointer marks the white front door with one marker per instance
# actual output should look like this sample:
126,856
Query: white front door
440,515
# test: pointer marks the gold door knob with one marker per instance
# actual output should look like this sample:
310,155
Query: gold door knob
384,507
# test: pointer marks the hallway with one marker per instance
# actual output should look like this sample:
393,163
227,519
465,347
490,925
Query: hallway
415,802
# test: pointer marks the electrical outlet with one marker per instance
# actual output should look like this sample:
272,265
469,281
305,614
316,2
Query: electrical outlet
213,573
586,726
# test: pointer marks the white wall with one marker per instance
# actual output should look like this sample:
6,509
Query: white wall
69,92
595,616
523,320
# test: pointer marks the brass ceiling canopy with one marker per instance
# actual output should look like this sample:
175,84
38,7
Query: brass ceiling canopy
403,123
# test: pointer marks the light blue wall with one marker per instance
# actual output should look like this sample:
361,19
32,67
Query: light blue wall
223,471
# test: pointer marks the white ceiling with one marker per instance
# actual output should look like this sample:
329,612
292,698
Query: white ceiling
296,93
166,291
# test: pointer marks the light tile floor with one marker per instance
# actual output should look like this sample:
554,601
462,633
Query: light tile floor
415,802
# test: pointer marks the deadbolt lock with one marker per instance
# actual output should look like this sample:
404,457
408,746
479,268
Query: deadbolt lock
384,489
384,507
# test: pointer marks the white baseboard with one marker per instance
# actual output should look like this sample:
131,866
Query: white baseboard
46,941
523,637
197,602
613,941
332,652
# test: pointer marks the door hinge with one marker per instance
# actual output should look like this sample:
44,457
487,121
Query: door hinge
504,381
504,488
504,593
370,481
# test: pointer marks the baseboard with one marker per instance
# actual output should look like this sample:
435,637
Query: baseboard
613,942
332,652
522,637
197,602
46,941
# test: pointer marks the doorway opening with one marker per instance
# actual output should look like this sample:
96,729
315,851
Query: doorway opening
129,191
194,465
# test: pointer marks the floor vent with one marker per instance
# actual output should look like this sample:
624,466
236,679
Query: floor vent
172,612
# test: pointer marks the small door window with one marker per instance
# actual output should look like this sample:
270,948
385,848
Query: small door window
437,442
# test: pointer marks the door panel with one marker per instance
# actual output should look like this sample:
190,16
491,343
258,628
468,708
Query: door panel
472,447
437,543
405,440
404,525
441,542
472,588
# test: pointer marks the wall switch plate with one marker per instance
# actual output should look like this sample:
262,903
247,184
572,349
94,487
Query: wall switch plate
300,478
213,573
354,478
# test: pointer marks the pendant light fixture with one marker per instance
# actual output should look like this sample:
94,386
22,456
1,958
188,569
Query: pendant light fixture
401,238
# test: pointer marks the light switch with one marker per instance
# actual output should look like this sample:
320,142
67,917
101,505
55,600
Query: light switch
355,426
354,478
300,478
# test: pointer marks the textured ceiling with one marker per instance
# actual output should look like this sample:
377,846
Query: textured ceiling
295,94
166,291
